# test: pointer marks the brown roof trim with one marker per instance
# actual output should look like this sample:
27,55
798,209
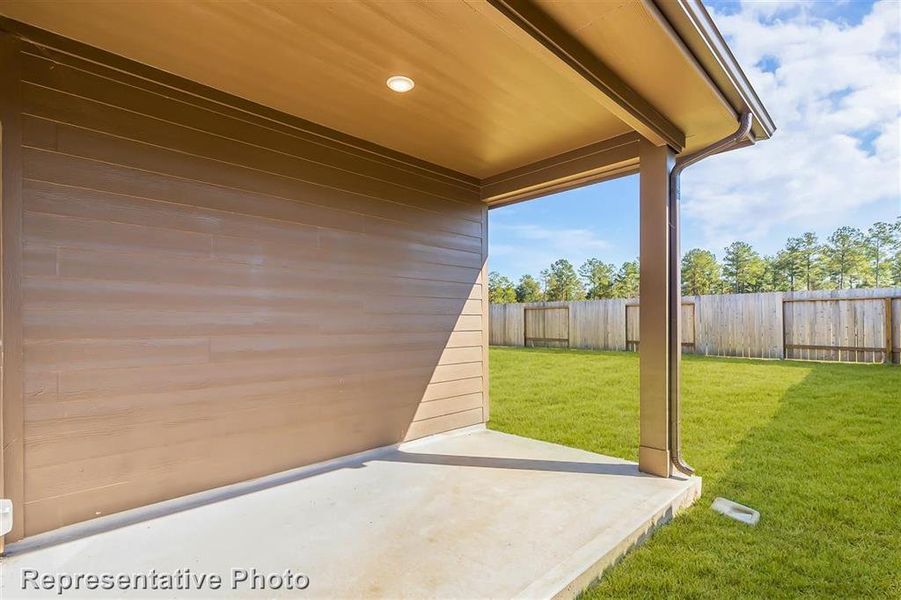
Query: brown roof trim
694,25
602,161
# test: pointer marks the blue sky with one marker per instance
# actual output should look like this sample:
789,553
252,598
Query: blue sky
830,75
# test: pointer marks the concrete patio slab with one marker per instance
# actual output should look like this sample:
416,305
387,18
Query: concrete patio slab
470,514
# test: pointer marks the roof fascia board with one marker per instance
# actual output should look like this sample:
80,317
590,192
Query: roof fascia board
694,25
604,160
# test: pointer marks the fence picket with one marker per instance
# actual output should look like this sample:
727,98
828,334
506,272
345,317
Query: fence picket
862,325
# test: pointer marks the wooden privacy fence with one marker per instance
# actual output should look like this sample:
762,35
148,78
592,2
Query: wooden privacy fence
546,326
839,325
688,326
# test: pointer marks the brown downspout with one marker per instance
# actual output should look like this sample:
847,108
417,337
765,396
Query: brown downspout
675,296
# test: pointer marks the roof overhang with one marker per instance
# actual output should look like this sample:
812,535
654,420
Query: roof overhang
693,25
519,97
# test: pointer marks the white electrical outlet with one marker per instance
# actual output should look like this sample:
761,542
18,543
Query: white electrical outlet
6,516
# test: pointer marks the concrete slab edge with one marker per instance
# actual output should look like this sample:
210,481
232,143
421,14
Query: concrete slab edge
571,577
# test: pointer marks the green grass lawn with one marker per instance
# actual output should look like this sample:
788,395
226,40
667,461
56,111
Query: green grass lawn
815,447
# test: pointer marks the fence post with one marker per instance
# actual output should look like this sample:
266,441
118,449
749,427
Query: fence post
790,326
782,307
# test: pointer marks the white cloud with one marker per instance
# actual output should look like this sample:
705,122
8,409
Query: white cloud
529,248
836,100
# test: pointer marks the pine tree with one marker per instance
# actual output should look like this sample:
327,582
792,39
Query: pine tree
896,269
882,241
529,290
845,257
743,269
701,274
809,253
626,282
500,289
598,277
561,282
775,278
793,262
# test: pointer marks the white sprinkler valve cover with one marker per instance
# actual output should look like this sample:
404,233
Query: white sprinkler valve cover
6,516
736,511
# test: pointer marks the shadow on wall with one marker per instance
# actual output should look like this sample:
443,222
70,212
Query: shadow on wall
451,393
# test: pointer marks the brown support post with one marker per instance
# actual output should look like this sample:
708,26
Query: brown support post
658,315
888,331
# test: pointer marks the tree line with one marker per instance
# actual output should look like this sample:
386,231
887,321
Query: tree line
849,258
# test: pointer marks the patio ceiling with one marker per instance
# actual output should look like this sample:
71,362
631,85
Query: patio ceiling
504,89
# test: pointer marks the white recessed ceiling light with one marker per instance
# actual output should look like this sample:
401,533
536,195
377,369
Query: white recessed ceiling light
400,84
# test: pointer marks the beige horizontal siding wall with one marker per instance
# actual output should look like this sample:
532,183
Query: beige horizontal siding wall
211,295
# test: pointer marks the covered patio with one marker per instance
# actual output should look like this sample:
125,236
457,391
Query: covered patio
466,514
244,243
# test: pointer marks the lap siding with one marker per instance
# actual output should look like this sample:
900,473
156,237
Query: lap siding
210,295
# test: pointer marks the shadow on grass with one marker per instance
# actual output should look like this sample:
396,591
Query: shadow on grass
821,468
